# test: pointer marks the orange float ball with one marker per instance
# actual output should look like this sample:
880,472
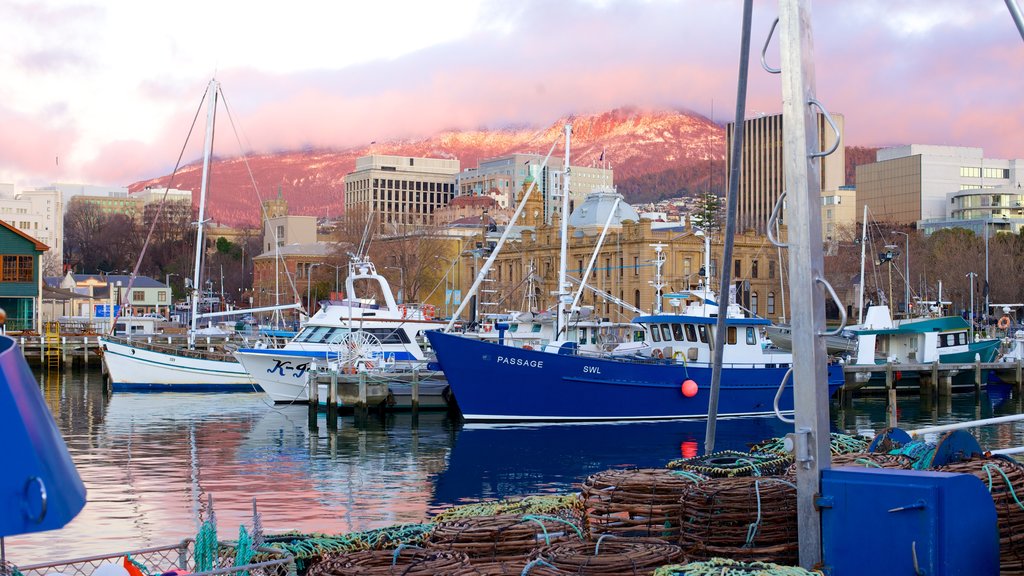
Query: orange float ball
3,316
689,388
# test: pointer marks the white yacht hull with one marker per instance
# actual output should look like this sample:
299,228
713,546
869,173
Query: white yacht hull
137,368
282,374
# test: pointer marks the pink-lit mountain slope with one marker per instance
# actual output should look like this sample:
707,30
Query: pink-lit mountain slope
654,154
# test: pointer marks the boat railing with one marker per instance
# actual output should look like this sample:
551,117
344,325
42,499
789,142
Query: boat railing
221,353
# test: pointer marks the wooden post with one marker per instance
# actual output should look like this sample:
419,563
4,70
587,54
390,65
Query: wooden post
1017,382
85,351
415,390
314,399
361,407
332,401
977,374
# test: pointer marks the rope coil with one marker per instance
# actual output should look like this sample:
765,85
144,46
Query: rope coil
730,463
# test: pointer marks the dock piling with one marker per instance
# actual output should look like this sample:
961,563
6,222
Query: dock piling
891,393
977,374
314,400
361,407
332,401
1017,383
415,390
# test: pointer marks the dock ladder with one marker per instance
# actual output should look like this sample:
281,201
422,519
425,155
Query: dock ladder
51,345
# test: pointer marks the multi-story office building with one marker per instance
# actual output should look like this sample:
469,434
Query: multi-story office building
1000,209
130,207
838,211
762,179
914,183
70,190
502,178
400,191
38,213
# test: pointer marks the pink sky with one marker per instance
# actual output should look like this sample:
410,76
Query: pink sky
112,93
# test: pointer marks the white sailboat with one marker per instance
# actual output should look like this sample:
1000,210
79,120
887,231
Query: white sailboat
138,365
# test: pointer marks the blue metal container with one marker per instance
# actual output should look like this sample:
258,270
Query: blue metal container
899,522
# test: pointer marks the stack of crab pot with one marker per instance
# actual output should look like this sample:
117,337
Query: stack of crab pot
639,503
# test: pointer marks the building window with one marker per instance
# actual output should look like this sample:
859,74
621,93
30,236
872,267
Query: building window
16,269
636,267
771,270
970,172
636,299
138,296
771,303
161,296
736,269
753,303
753,269
997,173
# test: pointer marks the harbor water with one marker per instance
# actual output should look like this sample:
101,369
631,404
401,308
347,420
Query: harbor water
151,462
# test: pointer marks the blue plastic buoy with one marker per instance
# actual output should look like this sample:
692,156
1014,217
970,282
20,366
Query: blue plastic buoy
40,488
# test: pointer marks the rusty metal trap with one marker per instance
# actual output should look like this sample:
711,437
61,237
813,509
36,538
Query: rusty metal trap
609,555
501,538
643,502
744,518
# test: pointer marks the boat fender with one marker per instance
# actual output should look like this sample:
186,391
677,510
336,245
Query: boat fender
1004,323
689,388
527,347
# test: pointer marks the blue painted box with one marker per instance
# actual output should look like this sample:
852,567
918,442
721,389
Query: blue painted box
899,522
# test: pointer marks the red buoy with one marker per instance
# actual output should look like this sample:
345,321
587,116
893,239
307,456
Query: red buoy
689,388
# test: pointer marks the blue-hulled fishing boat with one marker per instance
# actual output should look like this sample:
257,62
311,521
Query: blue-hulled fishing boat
668,378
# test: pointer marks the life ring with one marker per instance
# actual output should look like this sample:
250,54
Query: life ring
1004,323
658,354
527,347
487,327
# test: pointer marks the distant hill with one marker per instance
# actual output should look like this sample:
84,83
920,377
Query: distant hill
656,154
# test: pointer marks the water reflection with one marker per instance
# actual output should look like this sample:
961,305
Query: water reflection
150,461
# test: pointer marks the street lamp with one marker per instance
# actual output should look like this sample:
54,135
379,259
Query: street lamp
972,276
309,282
906,272
401,282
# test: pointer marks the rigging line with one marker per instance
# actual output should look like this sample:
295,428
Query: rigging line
156,218
256,189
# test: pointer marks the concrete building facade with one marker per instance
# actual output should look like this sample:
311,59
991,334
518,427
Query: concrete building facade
40,214
909,184
400,191
761,176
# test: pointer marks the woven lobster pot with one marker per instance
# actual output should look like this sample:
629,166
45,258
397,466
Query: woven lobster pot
609,555
406,561
643,503
729,463
1005,480
508,569
501,538
743,518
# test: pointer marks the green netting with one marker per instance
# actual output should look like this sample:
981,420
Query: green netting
921,452
309,546
839,444
565,506
730,463
726,567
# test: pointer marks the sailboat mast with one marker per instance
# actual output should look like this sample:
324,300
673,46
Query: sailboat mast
211,112
563,287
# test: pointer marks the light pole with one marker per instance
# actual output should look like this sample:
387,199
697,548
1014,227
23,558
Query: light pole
972,276
170,297
336,267
447,294
309,282
401,282
906,272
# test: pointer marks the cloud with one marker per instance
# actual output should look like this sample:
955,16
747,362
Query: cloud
924,71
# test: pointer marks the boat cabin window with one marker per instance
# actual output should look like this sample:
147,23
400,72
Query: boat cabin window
952,339
638,336
513,327
655,333
751,336
730,335
388,335
702,330
666,332
691,333
677,332
536,328
313,334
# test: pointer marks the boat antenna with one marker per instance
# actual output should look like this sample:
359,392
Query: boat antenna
730,228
